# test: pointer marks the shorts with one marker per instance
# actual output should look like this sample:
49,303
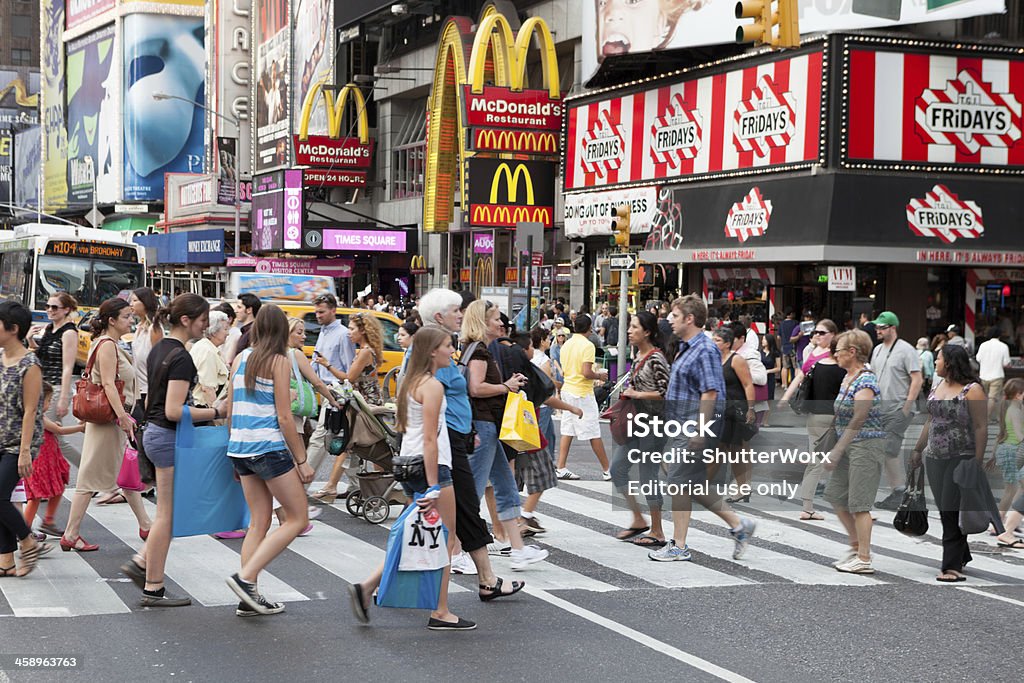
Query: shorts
535,471
895,425
993,388
587,427
158,444
266,466
1010,459
419,485
789,360
854,482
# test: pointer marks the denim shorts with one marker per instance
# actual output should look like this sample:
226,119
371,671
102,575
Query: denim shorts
266,466
444,478
158,444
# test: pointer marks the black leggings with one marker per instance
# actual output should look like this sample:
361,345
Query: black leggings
12,524
469,526
955,551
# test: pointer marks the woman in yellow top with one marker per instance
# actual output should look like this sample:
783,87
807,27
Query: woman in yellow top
211,369
1009,453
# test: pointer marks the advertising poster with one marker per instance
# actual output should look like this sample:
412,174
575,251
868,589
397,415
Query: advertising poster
267,212
27,166
229,54
55,150
272,86
92,123
313,49
80,11
616,27
19,98
163,54
226,162
287,287
6,170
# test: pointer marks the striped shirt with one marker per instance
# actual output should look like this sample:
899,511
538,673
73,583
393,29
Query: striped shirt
254,426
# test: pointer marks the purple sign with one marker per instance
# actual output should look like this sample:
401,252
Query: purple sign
267,213
483,243
364,240
293,209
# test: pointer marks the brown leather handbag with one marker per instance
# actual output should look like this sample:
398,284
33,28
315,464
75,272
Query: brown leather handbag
90,403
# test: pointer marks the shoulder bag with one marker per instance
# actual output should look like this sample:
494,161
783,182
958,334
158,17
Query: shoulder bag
912,514
617,414
305,404
90,403
800,402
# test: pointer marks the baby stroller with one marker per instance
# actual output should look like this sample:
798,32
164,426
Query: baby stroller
372,438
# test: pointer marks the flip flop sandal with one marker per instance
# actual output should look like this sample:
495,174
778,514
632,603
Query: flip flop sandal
648,541
29,559
955,579
8,571
115,499
812,517
631,533
359,609
496,590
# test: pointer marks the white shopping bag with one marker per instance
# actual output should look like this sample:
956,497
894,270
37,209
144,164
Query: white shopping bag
424,542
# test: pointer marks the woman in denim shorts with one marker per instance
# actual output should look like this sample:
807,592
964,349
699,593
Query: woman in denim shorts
421,420
270,461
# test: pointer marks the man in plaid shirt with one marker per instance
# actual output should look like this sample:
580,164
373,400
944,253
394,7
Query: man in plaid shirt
696,391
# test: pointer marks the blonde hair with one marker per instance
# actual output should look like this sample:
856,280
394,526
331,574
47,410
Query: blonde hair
372,332
859,341
474,323
428,340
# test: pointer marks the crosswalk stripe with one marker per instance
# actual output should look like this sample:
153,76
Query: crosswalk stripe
63,585
199,564
719,547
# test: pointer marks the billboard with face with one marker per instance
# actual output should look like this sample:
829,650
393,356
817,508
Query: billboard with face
163,55
55,149
313,50
271,92
92,124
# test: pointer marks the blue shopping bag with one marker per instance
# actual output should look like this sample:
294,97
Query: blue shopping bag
207,499
409,590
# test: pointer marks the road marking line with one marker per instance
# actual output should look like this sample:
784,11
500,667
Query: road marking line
641,638
63,585
991,595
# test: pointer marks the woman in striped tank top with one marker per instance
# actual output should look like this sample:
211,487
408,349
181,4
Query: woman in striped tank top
270,461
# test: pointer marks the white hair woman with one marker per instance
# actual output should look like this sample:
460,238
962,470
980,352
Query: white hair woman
210,365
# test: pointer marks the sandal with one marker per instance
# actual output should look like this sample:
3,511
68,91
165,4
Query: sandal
950,577
324,496
8,571
29,559
1015,545
812,516
112,499
648,541
631,532
496,590
359,608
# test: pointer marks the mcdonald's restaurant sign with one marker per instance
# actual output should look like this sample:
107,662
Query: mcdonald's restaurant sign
418,265
518,141
333,150
504,192
504,108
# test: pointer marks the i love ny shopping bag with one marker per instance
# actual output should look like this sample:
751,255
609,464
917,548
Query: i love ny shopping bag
408,589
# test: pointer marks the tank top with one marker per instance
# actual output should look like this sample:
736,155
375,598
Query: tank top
1012,437
412,440
951,434
141,346
51,352
734,391
254,426
367,383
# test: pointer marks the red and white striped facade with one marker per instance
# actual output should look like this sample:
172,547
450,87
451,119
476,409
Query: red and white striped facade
934,109
615,141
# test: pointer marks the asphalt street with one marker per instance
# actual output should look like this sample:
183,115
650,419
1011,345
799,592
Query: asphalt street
597,610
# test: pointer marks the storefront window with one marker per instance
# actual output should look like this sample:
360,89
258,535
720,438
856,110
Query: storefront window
735,292
409,154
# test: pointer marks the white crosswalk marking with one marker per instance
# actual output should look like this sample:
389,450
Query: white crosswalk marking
63,585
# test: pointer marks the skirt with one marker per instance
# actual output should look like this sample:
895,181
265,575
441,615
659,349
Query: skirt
50,471
102,453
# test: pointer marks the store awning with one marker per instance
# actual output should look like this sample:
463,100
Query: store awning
205,247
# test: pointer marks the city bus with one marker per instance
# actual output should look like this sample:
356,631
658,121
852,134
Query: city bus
40,259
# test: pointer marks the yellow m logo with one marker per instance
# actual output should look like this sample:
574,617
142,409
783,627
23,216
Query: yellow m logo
335,110
512,180
510,54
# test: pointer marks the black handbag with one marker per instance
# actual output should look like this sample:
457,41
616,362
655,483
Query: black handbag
801,402
912,514
408,468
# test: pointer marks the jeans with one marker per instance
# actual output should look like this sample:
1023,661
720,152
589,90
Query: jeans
490,464
13,527
955,551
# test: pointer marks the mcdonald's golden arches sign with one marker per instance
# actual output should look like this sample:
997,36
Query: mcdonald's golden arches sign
418,265
503,192
334,150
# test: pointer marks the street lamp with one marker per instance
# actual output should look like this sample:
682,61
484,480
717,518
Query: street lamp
238,178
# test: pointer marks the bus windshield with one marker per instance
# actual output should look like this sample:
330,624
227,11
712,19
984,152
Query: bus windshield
91,282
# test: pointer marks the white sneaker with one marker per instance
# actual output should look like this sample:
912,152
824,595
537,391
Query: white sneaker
567,475
315,511
850,554
527,555
856,566
498,548
606,475
463,564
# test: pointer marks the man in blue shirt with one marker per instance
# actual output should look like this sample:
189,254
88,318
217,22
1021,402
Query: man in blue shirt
334,345
696,392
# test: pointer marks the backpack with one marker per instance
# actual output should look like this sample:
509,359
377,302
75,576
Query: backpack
463,363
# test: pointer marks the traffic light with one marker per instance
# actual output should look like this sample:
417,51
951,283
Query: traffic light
620,225
645,275
766,18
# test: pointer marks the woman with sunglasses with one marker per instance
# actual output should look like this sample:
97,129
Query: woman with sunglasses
56,350
825,380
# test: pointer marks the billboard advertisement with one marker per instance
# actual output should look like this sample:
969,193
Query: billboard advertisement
6,169
55,149
590,213
503,193
228,43
313,47
616,27
163,55
19,98
271,94
267,214
756,117
80,11
27,166
950,110
92,120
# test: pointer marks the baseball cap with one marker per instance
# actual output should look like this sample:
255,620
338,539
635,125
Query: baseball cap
951,328
887,318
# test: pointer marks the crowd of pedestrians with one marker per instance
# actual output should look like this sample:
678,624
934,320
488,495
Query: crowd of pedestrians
236,365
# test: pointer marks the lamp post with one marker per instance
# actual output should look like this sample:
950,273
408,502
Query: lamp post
238,178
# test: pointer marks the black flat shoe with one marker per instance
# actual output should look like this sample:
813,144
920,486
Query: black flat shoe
739,499
460,625
355,593
496,590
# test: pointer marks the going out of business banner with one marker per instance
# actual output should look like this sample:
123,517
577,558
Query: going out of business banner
27,166
55,149
271,92
162,54
615,27
92,124
313,47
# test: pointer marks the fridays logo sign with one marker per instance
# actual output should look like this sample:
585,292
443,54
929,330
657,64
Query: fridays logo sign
749,217
940,213
766,121
676,134
603,146
969,114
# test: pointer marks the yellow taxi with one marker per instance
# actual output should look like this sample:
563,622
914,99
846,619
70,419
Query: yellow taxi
85,339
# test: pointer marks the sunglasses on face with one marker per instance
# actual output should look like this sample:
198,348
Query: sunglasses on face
817,332
51,307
